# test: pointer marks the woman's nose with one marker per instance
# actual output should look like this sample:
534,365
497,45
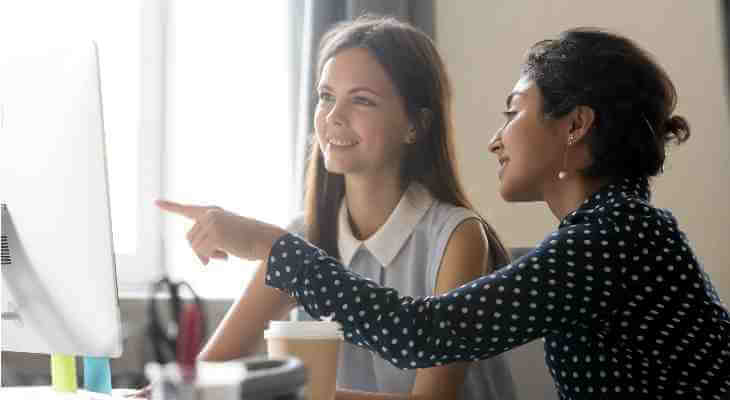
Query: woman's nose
336,115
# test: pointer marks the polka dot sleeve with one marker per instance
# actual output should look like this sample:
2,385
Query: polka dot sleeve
616,291
566,280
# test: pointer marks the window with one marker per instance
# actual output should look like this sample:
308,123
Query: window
228,119
197,109
115,27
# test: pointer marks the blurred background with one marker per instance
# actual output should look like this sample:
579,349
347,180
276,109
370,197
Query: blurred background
210,102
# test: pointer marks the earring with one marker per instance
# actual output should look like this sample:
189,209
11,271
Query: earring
412,137
563,173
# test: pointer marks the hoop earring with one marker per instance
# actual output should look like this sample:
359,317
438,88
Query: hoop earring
564,172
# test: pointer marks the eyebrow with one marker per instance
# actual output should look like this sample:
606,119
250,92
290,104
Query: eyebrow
353,90
508,102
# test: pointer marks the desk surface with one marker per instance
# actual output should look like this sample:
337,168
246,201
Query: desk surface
46,393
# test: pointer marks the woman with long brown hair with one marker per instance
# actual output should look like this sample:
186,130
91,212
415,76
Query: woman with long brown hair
383,196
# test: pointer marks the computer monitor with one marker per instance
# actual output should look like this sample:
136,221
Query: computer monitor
59,289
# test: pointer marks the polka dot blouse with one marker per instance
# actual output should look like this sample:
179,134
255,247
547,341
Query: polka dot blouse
616,292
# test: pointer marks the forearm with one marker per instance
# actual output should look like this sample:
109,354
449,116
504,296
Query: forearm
240,332
231,339
535,296
410,333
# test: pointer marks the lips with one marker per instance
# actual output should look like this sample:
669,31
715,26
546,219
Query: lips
502,164
342,142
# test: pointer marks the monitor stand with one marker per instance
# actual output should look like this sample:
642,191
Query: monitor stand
97,375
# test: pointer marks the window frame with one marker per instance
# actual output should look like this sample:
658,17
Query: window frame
136,271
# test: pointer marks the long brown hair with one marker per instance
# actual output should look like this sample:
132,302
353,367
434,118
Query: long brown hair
413,64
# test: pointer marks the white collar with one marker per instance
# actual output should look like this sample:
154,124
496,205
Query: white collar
387,241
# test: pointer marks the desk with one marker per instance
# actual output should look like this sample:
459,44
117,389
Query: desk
46,393
256,378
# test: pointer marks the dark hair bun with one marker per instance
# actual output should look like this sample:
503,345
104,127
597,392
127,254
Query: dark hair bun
631,94
676,130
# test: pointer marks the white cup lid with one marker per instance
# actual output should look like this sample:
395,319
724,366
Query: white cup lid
304,330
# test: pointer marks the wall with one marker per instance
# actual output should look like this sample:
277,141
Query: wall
483,44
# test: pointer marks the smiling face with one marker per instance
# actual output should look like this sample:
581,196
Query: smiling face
360,119
529,147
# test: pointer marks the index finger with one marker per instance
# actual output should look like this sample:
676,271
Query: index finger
186,210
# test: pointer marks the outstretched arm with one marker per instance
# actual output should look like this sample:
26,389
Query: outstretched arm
542,292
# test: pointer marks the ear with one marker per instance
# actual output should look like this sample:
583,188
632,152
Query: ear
582,119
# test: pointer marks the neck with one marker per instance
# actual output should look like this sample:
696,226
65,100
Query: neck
370,201
565,196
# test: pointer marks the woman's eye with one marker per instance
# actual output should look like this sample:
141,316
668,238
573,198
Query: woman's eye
326,97
509,114
363,101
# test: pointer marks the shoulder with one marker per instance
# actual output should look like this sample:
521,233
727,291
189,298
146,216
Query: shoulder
467,237
442,219
465,256
460,238
621,217
454,239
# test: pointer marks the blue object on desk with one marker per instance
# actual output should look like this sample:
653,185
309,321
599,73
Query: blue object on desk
97,375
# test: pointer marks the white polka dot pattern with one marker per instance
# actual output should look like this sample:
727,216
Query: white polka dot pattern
616,292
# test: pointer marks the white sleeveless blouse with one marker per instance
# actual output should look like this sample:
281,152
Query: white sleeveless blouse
405,254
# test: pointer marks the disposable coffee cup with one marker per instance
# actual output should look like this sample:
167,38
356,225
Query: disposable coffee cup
316,344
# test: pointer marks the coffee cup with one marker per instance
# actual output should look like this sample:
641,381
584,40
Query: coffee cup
316,344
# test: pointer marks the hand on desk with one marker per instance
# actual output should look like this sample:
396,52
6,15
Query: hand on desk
218,233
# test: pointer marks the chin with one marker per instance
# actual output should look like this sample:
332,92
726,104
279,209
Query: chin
336,167
512,194
334,170
509,197
339,168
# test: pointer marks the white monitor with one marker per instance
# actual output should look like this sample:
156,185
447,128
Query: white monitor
59,289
